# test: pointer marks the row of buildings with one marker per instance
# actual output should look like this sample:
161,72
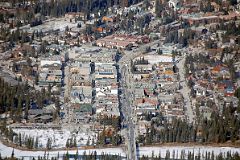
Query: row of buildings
156,87
91,83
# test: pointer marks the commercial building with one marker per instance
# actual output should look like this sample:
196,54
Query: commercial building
50,72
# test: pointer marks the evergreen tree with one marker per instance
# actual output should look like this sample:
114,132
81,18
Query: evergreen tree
36,143
88,142
20,139
76,155
74,142
67,144
49,144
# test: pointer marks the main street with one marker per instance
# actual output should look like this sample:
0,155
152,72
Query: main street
127,98
127,112
185,90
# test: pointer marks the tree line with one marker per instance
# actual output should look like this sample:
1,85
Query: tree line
19,139
220,128
174,155
191,156
59,8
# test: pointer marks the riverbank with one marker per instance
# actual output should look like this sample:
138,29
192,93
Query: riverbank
227,144
6,151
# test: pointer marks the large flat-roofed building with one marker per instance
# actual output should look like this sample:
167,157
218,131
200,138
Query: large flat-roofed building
155,59
119,41
105,71
80,73
197,19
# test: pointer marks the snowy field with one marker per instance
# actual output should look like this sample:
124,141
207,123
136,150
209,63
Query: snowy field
7,151
59,23
51,24
59,137
28,155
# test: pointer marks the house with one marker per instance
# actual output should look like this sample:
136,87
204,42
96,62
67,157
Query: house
173,111
44,115
143,125
107,19
199,90
146,105
220,71
234,101
215,6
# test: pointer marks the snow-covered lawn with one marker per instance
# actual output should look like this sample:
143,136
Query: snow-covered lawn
58,137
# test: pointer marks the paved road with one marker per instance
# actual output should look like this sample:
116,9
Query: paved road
127,97
128,115
66,83
185,91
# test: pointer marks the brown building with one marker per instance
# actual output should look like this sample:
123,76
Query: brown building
202,19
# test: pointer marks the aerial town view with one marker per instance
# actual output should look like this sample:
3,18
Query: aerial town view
119,79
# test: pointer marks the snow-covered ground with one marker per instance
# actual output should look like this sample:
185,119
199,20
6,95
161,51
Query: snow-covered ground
59,137
28,155
54,24
7,151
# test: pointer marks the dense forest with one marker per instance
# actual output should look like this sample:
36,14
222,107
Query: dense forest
17,100
219,129
59,8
